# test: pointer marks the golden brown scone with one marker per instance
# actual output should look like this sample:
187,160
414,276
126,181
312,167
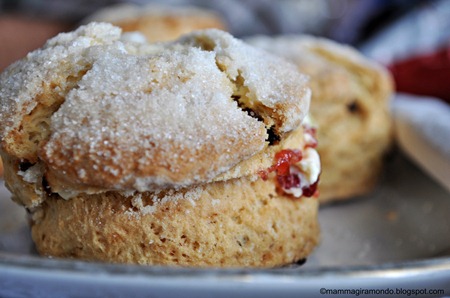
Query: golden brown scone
235,223
158,22
103,136
1,167
349,105
69,106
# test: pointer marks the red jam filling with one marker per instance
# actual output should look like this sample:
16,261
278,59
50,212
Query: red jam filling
293,180
287,180
283,161
312,131
311,190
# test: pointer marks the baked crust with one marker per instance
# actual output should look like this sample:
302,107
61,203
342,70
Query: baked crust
151,153
349,105
156,22
239,222
71,107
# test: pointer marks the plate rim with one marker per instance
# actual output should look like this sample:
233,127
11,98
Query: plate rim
69,266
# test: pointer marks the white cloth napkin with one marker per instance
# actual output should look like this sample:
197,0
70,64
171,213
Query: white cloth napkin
422,128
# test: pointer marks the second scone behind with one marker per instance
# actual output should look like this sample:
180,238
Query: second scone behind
158,22
350,105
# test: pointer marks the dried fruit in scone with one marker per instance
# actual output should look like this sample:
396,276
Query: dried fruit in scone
158,22
123,144
350,107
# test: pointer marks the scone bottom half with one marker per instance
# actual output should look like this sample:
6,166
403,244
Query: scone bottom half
193,152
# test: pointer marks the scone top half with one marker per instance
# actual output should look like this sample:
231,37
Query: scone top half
94,111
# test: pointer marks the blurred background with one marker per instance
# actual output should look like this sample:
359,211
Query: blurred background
412,37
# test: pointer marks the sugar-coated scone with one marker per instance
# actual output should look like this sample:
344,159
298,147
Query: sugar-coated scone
104,135
349,105
158,22
102,117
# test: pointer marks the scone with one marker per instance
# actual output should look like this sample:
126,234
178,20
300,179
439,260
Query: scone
158,22
350,107
188,153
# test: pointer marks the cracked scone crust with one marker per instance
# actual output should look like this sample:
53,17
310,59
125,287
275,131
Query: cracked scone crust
350,105
105,113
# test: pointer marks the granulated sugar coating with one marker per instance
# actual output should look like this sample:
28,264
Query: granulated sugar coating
21,82
120,114
274,87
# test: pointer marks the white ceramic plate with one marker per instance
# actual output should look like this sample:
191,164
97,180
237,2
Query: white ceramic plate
396,240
